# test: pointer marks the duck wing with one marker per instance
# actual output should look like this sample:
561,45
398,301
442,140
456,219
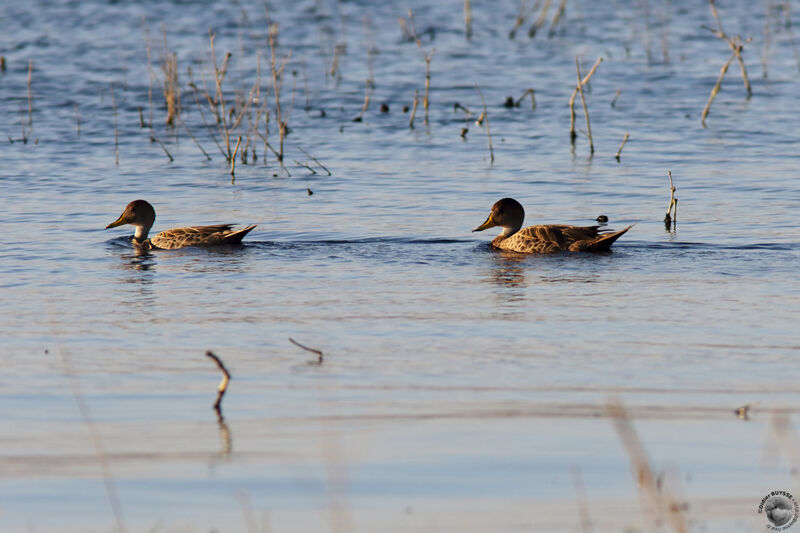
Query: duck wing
199,236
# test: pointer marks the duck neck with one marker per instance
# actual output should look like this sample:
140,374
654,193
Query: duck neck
141,233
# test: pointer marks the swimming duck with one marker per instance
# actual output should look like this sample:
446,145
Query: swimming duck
509,214
141,215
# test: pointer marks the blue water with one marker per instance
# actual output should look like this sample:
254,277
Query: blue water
461,388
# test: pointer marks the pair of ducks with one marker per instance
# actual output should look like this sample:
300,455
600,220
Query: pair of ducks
506,213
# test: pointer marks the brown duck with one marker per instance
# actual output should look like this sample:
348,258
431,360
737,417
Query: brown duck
509,214
141,215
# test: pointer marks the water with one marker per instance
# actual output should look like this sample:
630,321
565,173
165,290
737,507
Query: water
461,389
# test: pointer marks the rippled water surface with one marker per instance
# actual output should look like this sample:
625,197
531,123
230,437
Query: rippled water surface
461,388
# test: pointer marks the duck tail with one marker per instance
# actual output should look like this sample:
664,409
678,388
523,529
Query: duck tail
236,237
604,242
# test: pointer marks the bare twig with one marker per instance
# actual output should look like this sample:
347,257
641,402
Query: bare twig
233,158
223,385
527,92
414,109
734,43
315,160
715,89
572,134
367,93
671,218
488,129
621,146
585,109
468,19
155,139
312,350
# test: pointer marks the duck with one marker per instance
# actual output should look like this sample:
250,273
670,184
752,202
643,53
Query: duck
141,215
509,214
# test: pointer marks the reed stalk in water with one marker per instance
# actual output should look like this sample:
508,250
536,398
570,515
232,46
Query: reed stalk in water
572,134
223,385
312,350
715,89
735,45
367,92
585,109
414,109
468,19
621,146
233,159
671,218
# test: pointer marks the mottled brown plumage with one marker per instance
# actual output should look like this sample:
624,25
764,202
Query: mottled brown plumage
141,215
509,214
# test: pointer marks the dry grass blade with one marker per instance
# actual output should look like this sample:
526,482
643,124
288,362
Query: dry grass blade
671,218
655,499
233,159
312,350
562,7
223,385
540,20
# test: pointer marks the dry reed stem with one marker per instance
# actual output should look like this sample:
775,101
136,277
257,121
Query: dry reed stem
572,133
316,161
97,442
155,139
488,129
185,127
468,19
277,73
414,109
621,146
233,158
367,93
735,45
116,129
654,499
312,350
562,7
223,385
585,109
299,164
151,74
425,100
715,90
616,97
540,20
671,218
522,14
527,92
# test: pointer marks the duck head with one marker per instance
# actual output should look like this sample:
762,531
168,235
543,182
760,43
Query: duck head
138,214
506,213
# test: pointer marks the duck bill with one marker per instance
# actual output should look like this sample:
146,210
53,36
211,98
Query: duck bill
486,225
119,222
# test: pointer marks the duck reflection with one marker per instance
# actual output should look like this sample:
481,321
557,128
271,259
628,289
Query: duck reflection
138,267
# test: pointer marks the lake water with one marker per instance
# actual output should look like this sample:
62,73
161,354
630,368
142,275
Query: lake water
461,389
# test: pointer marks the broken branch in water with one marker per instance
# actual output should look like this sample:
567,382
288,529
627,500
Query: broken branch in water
671,218
312,350
223,385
